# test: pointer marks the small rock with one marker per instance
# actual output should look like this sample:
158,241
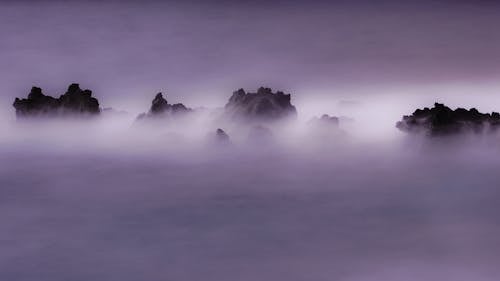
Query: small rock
161,108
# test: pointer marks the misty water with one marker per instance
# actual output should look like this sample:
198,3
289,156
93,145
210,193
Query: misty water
109,200
104,200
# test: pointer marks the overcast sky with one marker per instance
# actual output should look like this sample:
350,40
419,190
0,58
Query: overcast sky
198,52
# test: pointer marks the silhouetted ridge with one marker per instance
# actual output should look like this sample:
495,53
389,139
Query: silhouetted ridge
262,105
74,102
161,108
441,120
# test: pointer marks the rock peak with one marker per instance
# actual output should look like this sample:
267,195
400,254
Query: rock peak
264,104
221,136
161,108
74,87
159,104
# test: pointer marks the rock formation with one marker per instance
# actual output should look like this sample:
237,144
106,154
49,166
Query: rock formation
325,121
221,137
441,121
325,128
161,108
261,105
74,102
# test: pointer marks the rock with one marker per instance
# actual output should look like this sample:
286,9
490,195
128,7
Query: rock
325,121
159,105
261,105
441,121
221,136
161,108
74,102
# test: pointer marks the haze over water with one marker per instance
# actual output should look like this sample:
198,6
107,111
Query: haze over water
108,200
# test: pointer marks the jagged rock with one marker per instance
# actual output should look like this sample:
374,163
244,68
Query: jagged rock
221,136
261,105
74,102
161,108
441,120
159,104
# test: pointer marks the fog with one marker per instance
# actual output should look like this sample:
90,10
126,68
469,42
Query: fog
110,199
198,52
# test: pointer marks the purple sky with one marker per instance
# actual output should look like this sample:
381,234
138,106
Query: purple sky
199,52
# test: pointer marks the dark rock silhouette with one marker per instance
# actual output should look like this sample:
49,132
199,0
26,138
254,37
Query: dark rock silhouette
161,108
441,121
221,136
159,104
74,102
261,105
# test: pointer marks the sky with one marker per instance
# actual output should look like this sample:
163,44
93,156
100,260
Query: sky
198,52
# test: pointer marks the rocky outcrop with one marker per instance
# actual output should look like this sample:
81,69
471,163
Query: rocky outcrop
161,108
441,121
74,102
325,128
264,104
325,121
221,135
